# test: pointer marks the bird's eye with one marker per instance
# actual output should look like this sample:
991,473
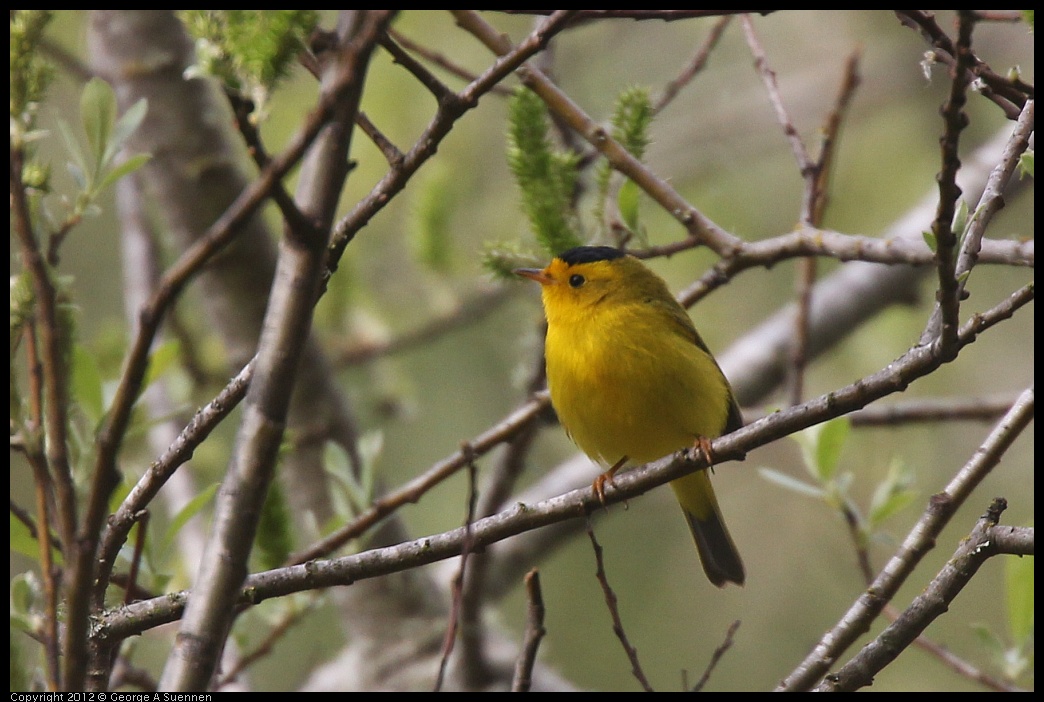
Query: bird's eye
576,280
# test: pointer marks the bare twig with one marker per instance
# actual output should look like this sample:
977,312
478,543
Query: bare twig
1009,94
942,327
949,409
441,60
662,15
925,608
468,311
223,567
614,612
278,632
140,616
699,60
534,632
473,658
44,492
716,657
920,539
695,222
412,491
54,344
450,108
768,77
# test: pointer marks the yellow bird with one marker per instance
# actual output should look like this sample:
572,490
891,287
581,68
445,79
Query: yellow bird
632,381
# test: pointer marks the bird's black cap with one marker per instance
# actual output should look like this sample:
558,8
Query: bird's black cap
590,254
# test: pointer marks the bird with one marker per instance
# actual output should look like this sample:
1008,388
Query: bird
632,381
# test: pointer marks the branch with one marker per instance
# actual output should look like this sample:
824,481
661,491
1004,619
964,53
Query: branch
932,603
413,490
918,542
697,64
451,108
223,566
614,612
54,347
534,632
696,223
522,517
1009,94
942,326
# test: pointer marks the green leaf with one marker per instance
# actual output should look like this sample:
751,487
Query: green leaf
189,511
128,166
821,446
893,493
793,484
960,219
87,385
1019,578
831,441
126,125
79,176
98,113
627,200
1026,164
22,541
274,530
78,164
26,593
337,465
356,492
929,239
163,358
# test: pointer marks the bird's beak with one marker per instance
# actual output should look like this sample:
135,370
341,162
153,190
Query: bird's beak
534,274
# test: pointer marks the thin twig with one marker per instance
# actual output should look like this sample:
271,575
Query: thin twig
917,543
457,587
719,653
614,611
422,74
698,62
55,375
274,635
973,551
896,377
1010,94
942,326
468,311
44,492
412,491
558,102
534,632
441,61
944,409
139,548
768,77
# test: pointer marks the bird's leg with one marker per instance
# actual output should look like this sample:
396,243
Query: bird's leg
704,445
607,477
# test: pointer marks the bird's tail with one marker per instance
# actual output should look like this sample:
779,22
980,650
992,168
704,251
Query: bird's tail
721,561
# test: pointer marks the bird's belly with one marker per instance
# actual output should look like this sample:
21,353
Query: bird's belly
625,404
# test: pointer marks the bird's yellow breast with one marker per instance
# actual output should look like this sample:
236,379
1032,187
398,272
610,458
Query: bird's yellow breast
627,380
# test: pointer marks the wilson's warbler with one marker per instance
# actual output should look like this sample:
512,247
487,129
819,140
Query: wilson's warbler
632,381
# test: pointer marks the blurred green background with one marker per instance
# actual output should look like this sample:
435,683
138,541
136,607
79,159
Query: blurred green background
719,144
